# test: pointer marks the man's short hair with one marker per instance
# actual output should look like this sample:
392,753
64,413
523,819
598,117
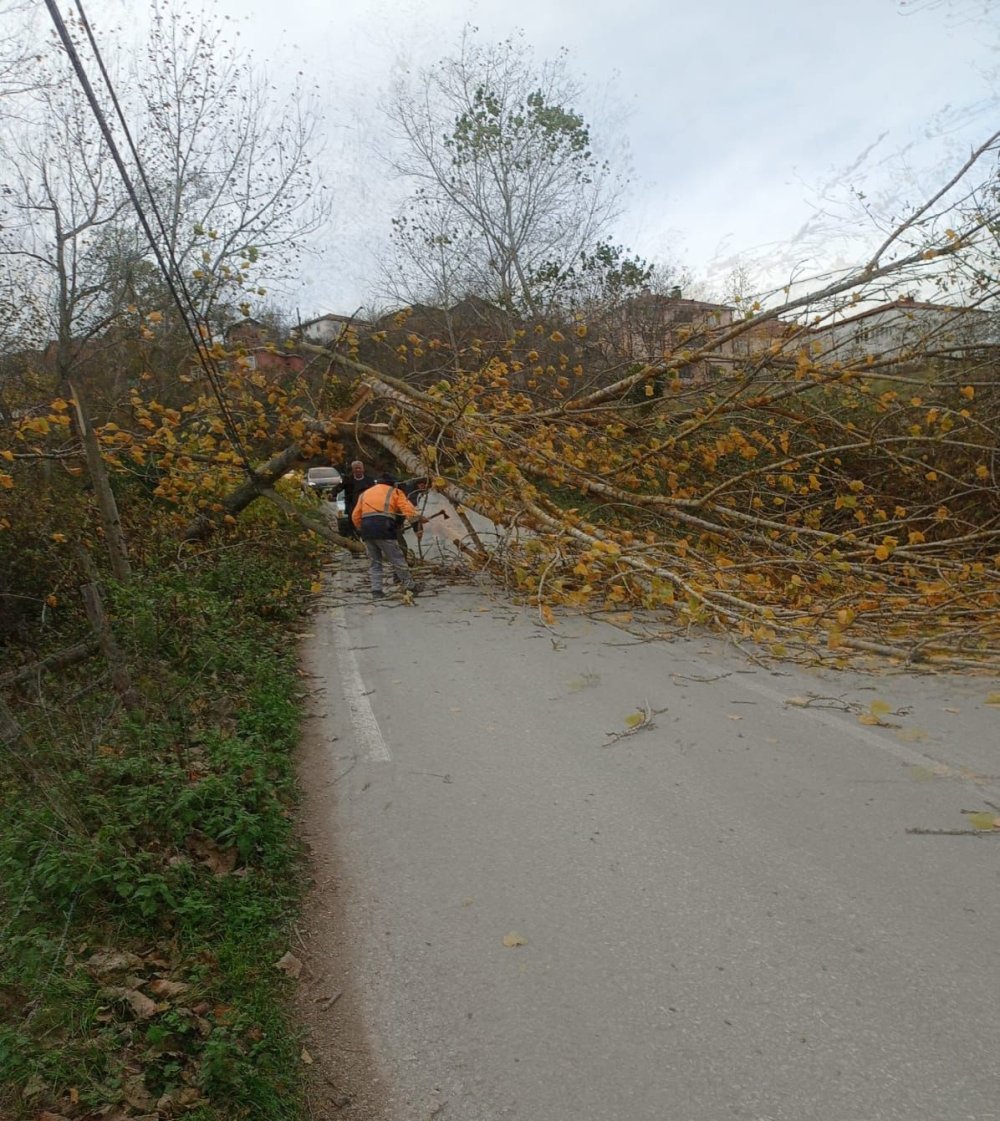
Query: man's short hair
357,463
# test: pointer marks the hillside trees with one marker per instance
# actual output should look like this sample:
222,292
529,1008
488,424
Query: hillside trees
227,160
63,192
511,200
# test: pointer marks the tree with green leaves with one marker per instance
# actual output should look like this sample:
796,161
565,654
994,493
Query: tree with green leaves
511,200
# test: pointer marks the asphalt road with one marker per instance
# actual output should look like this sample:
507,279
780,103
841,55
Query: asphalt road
559,911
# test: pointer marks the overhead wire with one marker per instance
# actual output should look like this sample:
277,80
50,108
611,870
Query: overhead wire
194,324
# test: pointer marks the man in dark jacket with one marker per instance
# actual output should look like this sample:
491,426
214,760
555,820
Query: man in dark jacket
355,481
416,490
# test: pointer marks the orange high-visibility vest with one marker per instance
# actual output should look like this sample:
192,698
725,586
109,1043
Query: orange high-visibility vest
376,510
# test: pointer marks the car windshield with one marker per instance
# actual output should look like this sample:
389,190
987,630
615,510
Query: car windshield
320,475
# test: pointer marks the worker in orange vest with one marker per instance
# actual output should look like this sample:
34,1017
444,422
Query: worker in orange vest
375,516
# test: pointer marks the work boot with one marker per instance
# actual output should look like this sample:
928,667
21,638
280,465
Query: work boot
378,594
416,588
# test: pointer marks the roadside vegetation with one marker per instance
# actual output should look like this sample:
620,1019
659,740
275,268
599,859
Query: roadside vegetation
147,851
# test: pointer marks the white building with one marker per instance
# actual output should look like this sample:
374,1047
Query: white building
326,329
907,328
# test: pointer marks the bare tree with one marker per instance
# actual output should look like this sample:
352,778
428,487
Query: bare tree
62,193
228,157
17,75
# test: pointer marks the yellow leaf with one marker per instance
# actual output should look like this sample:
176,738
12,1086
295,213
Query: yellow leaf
514,939
880,708
992,699
982,820
8,455
52,600
968,391
928,774
547,615
912,735
868,718
634,719
6,481
882,553
316,587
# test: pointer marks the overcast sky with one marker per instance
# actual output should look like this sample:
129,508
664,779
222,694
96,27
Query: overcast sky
741,118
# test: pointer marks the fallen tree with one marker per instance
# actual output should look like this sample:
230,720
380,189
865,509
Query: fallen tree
806,492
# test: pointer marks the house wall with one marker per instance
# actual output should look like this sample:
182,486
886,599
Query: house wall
900,328
325,330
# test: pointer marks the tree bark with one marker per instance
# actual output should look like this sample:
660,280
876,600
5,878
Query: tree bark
114,538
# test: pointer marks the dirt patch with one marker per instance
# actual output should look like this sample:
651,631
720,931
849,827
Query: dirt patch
343,1082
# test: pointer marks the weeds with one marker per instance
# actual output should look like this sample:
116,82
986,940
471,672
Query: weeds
148,864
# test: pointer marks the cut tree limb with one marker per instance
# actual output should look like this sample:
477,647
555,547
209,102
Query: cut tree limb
58,660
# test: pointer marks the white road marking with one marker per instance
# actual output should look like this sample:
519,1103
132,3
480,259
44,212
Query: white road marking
366,730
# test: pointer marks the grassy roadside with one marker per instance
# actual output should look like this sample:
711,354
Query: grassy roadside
149,872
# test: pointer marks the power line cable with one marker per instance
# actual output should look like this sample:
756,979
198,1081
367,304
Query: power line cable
171,273
175,269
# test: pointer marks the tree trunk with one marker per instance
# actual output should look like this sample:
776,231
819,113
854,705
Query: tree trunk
114,538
